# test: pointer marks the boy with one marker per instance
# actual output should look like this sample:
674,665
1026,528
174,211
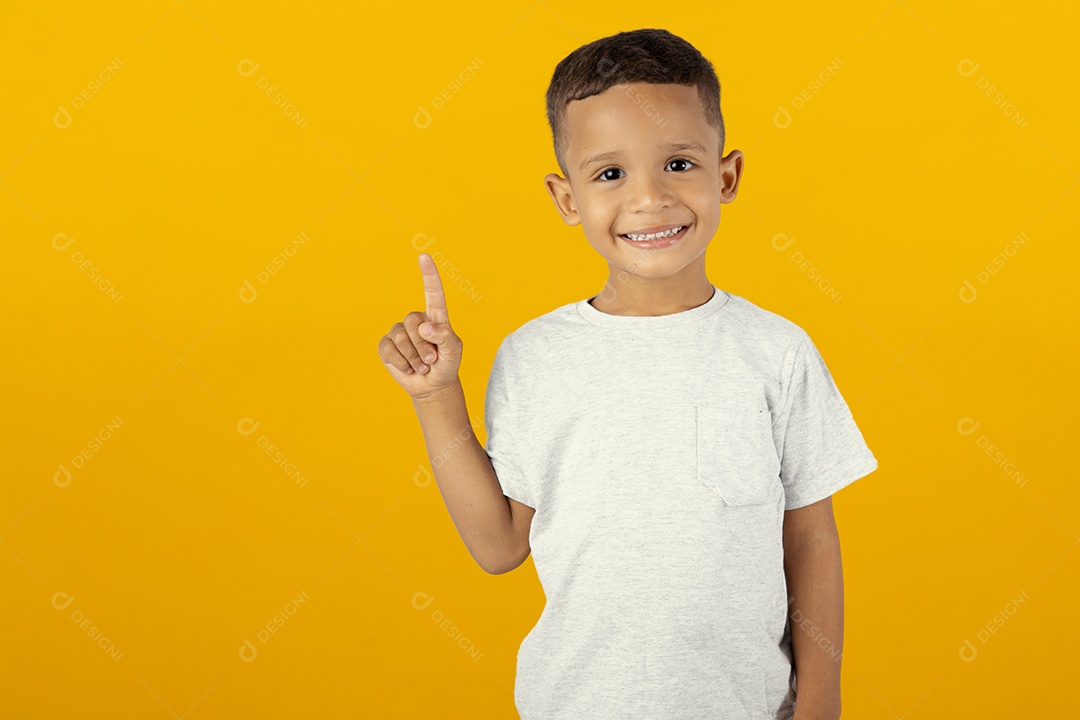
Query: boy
665,450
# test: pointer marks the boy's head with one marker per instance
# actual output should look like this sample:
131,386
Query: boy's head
637,56
623,110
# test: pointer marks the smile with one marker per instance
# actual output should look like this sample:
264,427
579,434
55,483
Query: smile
659,239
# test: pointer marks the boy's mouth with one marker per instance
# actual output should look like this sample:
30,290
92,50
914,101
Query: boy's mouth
655,237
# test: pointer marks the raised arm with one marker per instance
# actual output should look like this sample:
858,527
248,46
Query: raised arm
423,354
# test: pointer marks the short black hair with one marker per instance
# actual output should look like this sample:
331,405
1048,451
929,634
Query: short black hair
649,55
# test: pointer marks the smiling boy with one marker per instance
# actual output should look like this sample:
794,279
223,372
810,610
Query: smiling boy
665,450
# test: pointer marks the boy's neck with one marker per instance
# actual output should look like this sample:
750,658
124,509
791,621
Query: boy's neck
663,296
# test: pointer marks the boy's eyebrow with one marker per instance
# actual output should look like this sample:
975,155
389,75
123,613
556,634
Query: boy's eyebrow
686,145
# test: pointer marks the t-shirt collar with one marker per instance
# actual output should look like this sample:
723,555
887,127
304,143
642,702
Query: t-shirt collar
718,300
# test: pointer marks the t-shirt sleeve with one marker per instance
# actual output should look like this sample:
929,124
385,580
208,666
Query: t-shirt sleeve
503,446
823,449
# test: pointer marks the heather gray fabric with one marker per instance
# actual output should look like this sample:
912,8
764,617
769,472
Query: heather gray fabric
660,454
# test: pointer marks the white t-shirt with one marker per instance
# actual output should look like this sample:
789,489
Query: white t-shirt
660,454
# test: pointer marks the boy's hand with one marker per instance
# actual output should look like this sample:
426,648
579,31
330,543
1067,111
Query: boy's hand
421,363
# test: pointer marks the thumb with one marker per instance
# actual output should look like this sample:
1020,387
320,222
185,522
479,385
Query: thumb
437,333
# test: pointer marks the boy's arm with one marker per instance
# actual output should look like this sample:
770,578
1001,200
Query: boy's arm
816,608
423,354
495,528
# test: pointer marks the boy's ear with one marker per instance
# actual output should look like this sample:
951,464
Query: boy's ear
559,189
731,168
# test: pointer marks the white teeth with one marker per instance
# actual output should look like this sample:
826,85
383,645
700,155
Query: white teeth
654,236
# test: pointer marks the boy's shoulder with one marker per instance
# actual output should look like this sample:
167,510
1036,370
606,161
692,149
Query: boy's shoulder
558,322
757,320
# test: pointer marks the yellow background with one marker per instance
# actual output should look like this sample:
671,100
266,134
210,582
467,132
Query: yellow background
179,180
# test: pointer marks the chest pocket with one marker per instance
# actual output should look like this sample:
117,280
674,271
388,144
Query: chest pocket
736,456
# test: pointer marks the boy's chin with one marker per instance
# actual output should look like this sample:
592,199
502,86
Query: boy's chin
644,264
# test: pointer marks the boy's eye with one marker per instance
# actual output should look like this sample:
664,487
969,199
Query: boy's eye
603,176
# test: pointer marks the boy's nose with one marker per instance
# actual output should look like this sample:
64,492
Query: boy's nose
648,193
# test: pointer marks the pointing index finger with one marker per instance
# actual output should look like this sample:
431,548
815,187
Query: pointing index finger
433,290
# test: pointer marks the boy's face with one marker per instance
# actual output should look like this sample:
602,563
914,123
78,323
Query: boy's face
647,183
